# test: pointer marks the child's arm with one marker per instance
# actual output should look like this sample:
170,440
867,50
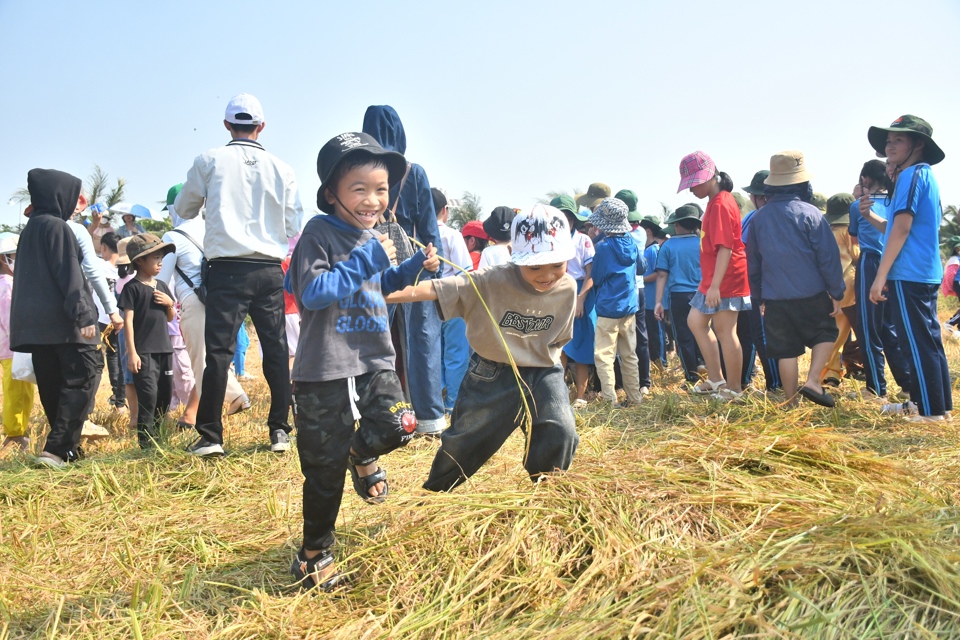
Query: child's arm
719,270
661,285
587,285
166,301
867,212
898,237
421,292
407,273
343,278
133,359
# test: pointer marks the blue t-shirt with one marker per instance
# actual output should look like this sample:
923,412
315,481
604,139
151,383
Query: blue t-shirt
745,226
650,255
868,235
916,193
680,258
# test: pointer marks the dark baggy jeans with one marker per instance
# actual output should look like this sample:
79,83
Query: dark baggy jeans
325,435
874,326
486,414
686,343
118,397
236,288
154,385
643,343
66,380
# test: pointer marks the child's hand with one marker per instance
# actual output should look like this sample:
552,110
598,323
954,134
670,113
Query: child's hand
876,291
133,362
865,203
836,308
712,299
578,310
389,247
162,299
432,263
658,311
88,332
116,321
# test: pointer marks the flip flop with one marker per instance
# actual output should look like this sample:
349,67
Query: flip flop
823,399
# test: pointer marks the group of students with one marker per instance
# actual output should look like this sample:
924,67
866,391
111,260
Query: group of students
530,295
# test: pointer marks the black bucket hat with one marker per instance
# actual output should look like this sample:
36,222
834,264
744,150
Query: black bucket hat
691,211
346,144
756,185
877,136
497,224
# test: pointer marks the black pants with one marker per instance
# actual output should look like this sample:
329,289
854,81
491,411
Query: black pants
643,346
66,380
235,289
771,366
154,385
655,338
325,435
118,397
686,343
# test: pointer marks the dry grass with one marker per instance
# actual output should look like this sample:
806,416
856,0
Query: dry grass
742,522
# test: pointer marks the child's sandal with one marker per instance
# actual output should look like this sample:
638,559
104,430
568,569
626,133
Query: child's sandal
363,485
707,387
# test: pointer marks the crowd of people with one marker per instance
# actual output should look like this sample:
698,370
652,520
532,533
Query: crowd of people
497,324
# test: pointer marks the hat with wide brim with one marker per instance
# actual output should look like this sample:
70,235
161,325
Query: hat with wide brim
540,236
787,168
8,242
650,222
610,216
932,153
952,243
686,213
838,208
595,193
695,168
629,198
756,185
143,244
345,145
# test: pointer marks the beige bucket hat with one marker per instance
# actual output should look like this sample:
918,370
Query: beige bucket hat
786,168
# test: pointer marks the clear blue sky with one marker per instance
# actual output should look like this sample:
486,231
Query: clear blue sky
505,99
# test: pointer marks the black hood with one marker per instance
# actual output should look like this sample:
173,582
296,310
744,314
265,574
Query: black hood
53,192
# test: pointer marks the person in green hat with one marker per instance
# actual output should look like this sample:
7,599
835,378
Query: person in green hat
579,350
950,285
910,270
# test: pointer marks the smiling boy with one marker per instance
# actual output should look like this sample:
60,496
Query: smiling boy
343,371
532,301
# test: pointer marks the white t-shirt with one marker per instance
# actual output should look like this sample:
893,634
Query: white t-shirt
187,257
583,255
110,273
455,250
493,255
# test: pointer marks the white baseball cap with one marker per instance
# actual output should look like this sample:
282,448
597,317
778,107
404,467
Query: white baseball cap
541,236
244,109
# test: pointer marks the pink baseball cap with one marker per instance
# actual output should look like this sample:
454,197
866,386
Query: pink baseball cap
695,168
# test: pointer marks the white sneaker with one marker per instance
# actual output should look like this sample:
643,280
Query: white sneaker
900,409
93,431
50,460
644,391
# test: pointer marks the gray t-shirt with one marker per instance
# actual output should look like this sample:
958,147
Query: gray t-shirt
535,324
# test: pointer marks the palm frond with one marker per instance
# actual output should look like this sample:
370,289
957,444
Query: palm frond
116,194
21,195
96,185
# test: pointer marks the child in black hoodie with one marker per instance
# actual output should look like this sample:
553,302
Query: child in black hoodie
52,313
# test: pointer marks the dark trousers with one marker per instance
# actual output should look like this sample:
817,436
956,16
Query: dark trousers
643,346
118,397
686,343
66,380
98,374
656,343
325,435
487,413
915,318
154,385
771,366
876,331
234,290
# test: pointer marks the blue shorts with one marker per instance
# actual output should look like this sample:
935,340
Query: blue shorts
699,302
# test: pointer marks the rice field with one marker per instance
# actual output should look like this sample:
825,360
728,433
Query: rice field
680,518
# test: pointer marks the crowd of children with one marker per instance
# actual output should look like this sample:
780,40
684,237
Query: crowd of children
586,283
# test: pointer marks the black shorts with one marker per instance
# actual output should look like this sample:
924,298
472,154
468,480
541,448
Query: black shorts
792,325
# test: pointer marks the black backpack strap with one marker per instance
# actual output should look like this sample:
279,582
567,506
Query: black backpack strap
188,237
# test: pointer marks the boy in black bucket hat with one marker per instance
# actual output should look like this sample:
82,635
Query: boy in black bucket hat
343,372
910,269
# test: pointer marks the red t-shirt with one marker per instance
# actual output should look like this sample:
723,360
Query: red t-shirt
721,228
289,302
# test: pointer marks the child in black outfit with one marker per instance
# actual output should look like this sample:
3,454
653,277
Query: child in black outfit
147,308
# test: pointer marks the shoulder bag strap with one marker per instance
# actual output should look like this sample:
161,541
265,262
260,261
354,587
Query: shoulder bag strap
393,209
190,238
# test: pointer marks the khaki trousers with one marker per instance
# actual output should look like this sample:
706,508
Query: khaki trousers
617,336
193,319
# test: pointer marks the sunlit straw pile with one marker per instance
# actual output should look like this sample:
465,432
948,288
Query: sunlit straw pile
681,518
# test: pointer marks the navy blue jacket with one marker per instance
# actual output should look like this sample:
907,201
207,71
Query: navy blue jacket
415,211
791,252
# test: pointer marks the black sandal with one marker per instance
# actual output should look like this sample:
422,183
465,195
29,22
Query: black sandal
363,485
823,399
306,571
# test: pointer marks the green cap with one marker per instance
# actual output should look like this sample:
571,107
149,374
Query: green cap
819,200
691,211
756,185
172,194
629,198
877,136
952,243
838,208
651,222
565,203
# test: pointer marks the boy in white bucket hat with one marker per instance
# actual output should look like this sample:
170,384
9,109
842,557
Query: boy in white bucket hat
532,301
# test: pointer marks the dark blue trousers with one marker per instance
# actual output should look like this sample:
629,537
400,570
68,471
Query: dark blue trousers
915,318
656,338
686,343
876,332
643,346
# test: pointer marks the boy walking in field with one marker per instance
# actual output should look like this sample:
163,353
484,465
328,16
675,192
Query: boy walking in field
531,299
617,302
147,306
343,371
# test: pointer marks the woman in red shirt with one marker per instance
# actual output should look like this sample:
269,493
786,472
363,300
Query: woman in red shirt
724,291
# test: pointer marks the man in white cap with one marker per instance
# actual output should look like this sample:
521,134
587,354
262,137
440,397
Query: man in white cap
252,208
